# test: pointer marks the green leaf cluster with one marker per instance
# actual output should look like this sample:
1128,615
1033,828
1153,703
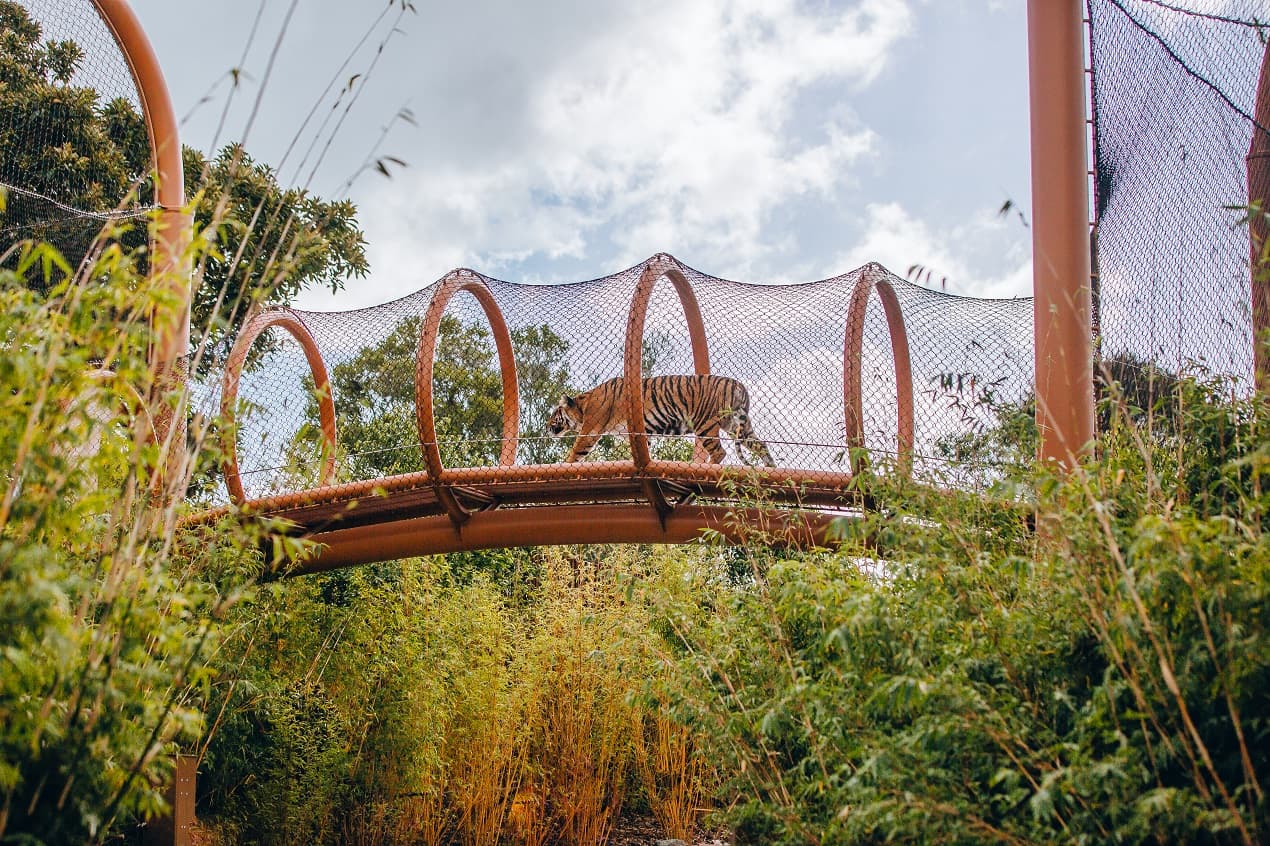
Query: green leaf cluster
59,140
948,677
108,613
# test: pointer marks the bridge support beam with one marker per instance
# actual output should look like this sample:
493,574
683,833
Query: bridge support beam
566,524
1060,230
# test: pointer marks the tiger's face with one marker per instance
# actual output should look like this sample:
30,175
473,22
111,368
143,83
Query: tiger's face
566,417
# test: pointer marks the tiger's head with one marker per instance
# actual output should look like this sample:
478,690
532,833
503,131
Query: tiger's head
566,417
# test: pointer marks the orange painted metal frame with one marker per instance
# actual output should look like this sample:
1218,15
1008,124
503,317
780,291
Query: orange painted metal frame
874,279
1063,300
172,331
1258,230
583,524
425,359
425,512
252,329
660,266
169,349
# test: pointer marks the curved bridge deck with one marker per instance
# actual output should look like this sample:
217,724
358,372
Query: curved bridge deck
544,504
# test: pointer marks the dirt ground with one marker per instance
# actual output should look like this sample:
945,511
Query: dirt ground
644,831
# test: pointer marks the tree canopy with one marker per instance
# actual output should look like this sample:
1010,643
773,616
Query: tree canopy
60,141
375,398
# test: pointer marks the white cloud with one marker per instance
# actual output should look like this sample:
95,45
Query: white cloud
978,257
672,127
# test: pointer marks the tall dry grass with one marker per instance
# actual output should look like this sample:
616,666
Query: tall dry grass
675,779
536,723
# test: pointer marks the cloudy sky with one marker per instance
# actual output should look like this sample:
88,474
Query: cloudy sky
759,140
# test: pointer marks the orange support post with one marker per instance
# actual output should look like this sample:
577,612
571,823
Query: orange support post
169,355
1060,230
1259,192
169,350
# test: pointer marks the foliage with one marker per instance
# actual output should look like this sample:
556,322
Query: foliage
1000,439
1108,686
105,631
274,243
400,704
374,394
59,140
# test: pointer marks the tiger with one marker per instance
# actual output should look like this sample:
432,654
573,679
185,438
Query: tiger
673,405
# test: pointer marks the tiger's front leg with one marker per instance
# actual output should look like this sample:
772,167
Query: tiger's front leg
582,446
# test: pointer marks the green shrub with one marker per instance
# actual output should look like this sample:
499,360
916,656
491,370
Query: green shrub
1108,685
105,631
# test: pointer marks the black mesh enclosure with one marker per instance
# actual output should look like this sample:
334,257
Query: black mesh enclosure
971,361
1174,91
74,153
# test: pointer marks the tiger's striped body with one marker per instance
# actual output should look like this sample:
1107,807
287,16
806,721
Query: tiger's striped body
673,405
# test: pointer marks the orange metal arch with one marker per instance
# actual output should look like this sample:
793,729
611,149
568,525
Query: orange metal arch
252,330
658,267
425,360
170,346
874,278
165,148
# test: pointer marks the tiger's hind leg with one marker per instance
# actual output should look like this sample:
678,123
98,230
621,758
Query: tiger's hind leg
709,437
744,435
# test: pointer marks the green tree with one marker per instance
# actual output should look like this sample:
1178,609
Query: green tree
59,140
948,679
374,394
59,143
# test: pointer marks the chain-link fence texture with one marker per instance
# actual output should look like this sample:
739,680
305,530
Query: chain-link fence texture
918,380
74,154
1174,93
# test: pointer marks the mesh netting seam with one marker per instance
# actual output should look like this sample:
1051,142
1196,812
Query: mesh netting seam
1182,62
74,212
1182,10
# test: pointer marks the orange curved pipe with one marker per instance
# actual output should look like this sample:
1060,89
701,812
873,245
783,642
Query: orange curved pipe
873,278
172,331
425,360
252,329
569,524
171,327
659,266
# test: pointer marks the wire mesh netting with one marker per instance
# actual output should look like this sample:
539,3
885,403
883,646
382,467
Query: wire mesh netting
74,153
971,365
1174,91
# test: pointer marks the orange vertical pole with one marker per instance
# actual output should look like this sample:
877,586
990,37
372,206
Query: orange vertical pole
170,327
169,352
1259,193
1060,230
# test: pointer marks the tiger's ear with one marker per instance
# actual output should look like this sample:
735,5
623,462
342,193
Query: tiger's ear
569,401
